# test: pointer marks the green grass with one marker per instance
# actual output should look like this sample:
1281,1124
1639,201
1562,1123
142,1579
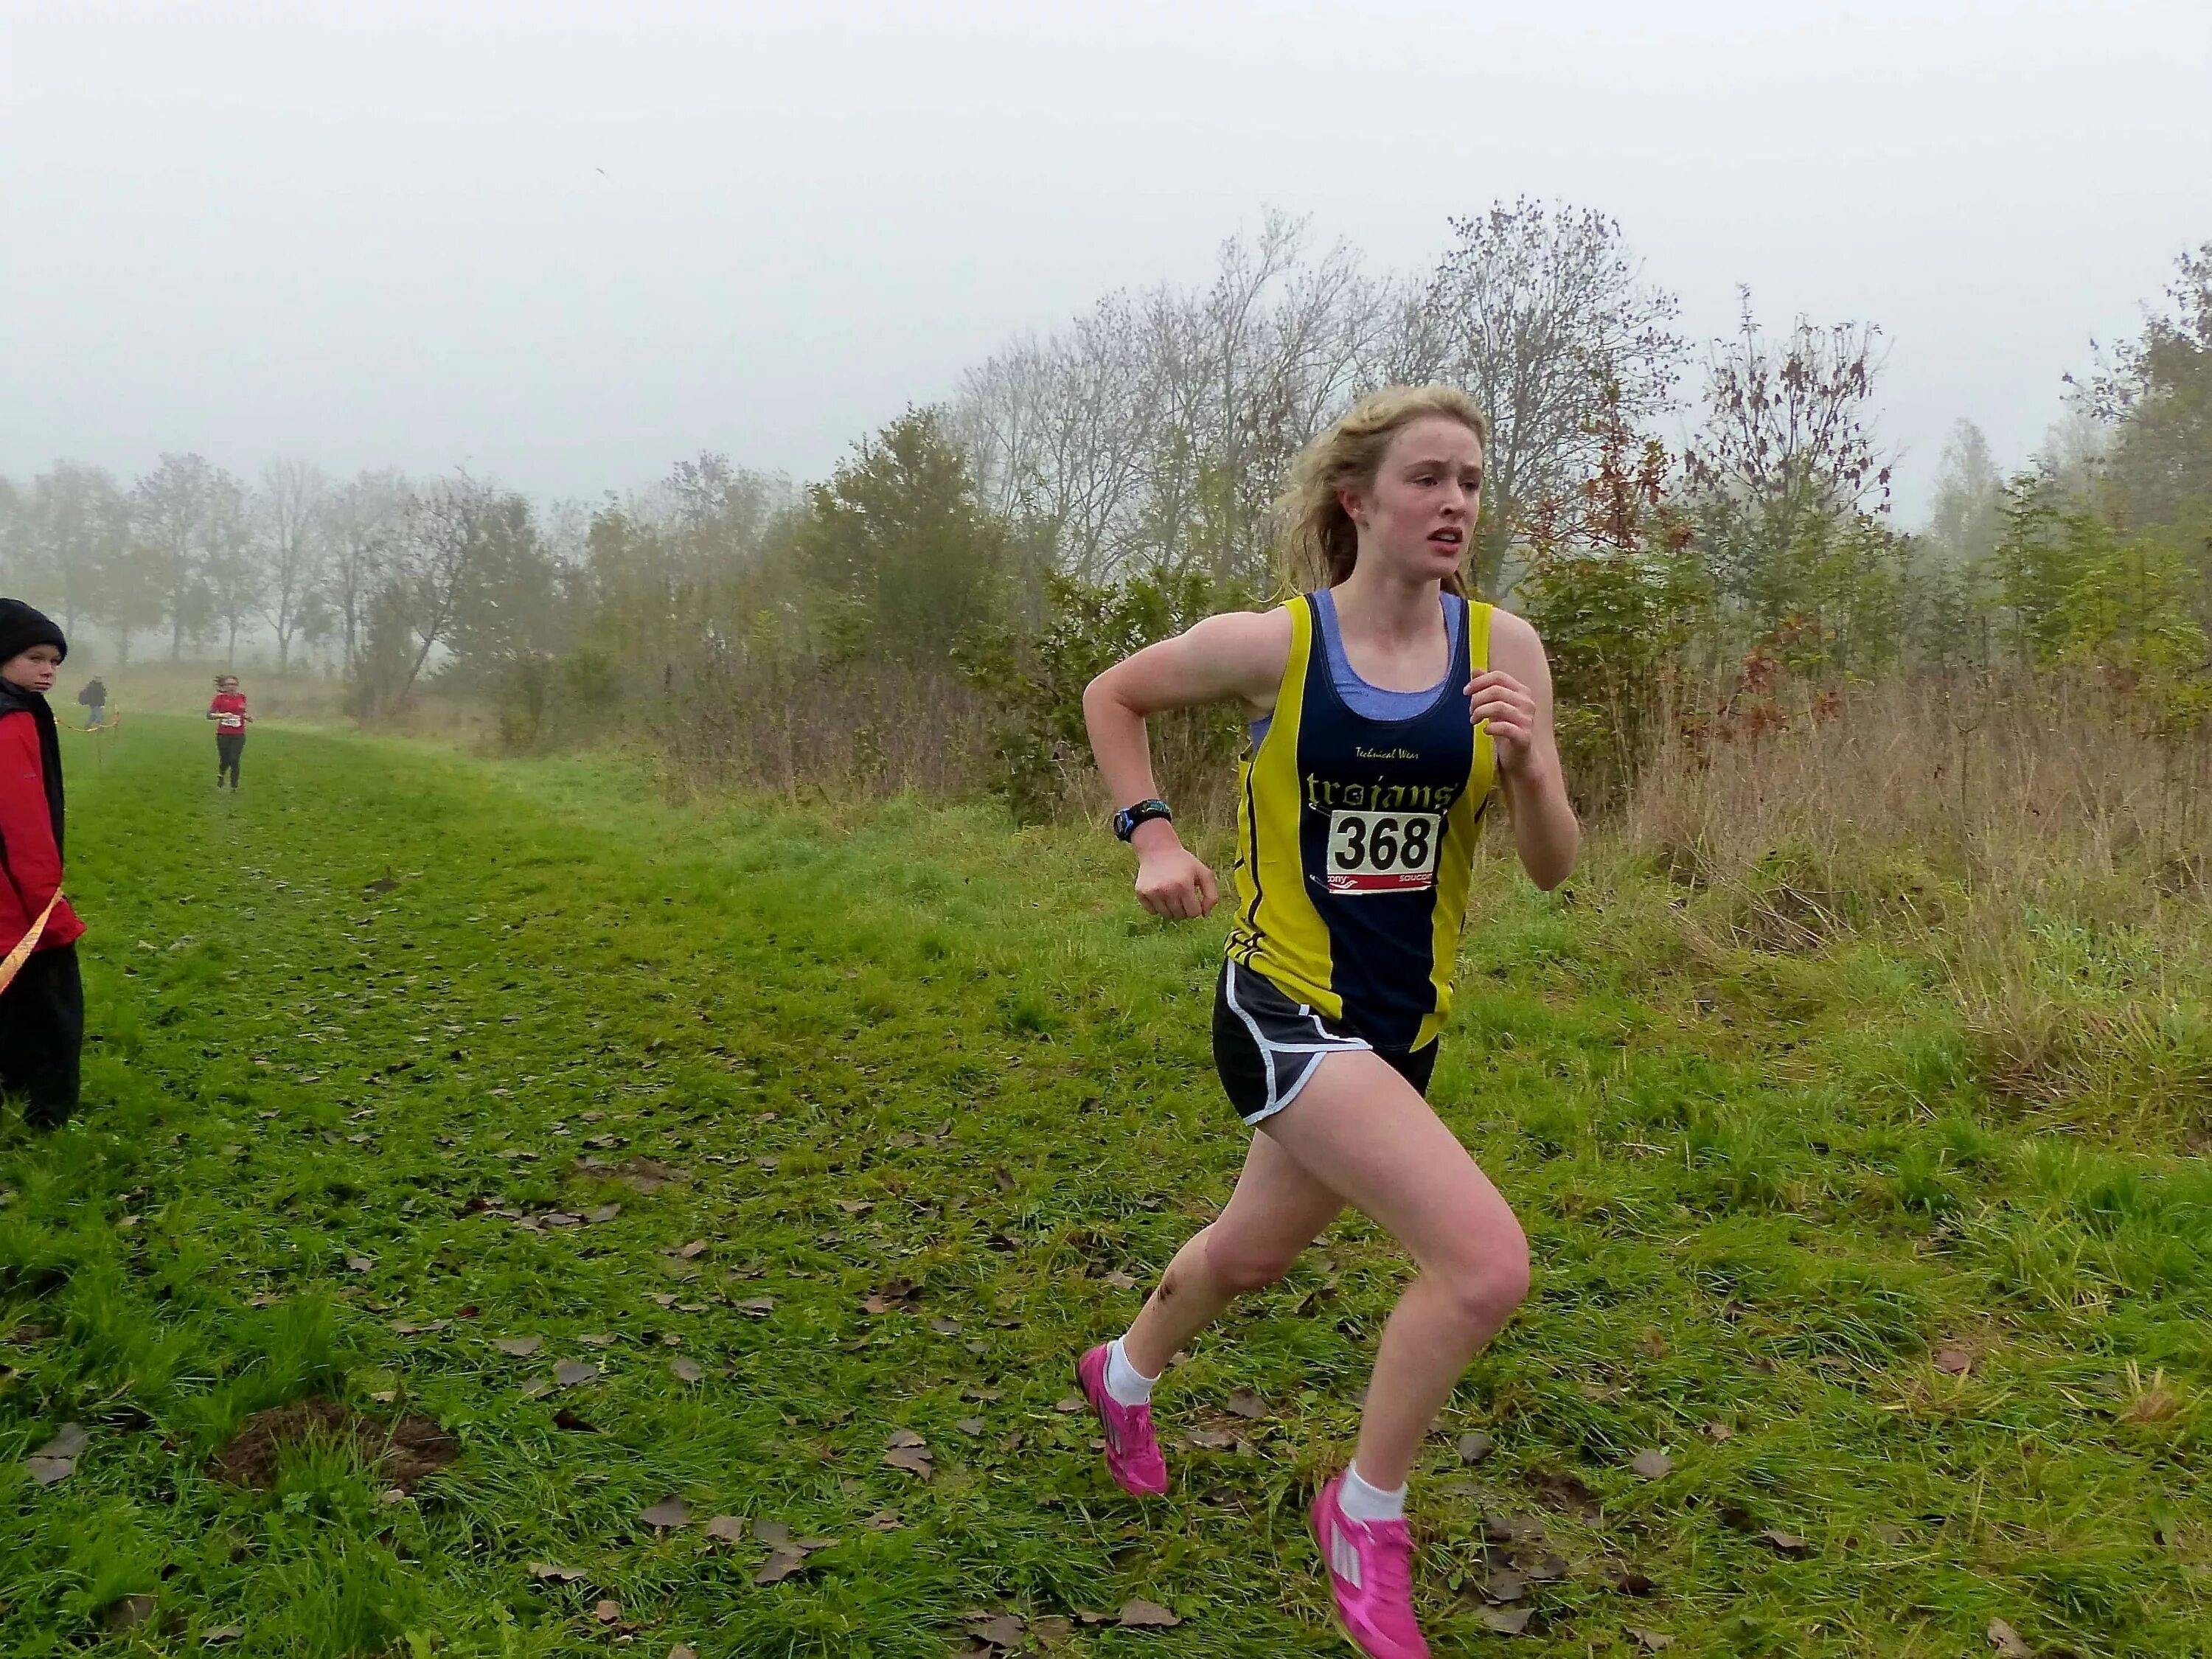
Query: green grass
1764,1190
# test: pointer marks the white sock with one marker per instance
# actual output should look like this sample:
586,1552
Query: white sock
1365,1503
1128,1385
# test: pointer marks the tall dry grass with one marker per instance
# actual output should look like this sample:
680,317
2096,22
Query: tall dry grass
2031,835
799,728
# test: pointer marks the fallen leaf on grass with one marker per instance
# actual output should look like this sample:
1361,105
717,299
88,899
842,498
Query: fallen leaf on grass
223,1633
1507,1621
1122,1281
774,1534
667,1515
1139,1614
1954,1361
535,1386
128,1613
1717,1432
1475,1445
521,1346
56,1461
2006,1640
692,1251
1545,1569
546,1572
683,1651
1649,1640
727,1528
782,1563
687,1370
605,1212
607,1613
1073,1403
1052,1631
1501,1585
945,1326
1247,1404
1003,1629
759,1307
595,1340
1652,1465
1786,1543
971,1426
569,1373
1632,1583
909,1452
1211,1439
565,1418
359,1264
884,1520
405,1328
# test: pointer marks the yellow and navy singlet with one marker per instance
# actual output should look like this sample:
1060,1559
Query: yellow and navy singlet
1355,840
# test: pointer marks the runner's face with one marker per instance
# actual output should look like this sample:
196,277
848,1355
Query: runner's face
35,670
1420,513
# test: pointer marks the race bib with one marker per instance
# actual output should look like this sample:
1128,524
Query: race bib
1382,852
231,722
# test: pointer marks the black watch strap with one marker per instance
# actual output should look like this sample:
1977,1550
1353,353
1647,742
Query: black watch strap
1127,820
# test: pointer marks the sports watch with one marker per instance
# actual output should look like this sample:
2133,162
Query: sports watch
1127,820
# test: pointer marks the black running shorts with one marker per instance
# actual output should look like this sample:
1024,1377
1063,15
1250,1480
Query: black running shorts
1266,1047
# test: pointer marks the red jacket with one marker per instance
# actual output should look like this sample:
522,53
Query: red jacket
30,865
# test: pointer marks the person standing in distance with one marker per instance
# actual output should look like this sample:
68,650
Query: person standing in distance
42,1005
227,711
94,698
1385,704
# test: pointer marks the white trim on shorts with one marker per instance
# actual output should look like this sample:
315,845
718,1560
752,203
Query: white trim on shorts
1330,1043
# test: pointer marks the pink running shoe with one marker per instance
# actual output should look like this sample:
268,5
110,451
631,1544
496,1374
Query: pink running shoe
1371,1577
1132,1450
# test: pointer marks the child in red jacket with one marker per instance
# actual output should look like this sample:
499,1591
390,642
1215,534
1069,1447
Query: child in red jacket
42,1007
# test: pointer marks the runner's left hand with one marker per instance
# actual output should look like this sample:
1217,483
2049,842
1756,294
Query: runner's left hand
1497,697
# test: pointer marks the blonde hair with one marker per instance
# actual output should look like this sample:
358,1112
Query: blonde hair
1318,543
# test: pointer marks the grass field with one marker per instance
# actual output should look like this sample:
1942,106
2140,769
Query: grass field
902,1109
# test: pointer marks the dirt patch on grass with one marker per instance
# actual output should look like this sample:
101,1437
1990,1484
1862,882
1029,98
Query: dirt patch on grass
403,1452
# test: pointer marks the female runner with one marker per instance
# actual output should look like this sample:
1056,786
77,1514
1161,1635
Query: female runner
1385,706
227,711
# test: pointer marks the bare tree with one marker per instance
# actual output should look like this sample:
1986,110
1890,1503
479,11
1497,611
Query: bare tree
361,524
447,529
294,499
172,508
1540,311
234,560
1787,454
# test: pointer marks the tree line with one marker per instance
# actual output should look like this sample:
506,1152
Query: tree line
1089,488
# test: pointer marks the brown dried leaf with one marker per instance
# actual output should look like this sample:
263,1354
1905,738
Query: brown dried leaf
727,1528
775,1534
667,1515
1717,1432
915,1460
1051,1631
905,1438
1649,1640
2006,1640
1003,1629
546,1572
572,1373
1953,1361
1502,1584
682,1650
222,1633
1507,1621
607,1613
692,1251
521,1346
359,1264
1786,1543
1475,1445
128,1612
1122,1281
687,1370
882,1521
49,1471
605,1212
1211,1439
1247,1404
1652,1465
782,1563
971,1426
1069,1406
1138,1613
759,1307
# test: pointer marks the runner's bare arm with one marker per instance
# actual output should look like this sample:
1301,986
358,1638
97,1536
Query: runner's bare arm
1514,696
1238,655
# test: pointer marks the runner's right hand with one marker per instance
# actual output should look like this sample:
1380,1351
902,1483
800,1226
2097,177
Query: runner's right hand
1174,881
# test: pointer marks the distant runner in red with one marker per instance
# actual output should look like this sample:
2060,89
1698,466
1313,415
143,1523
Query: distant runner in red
227,711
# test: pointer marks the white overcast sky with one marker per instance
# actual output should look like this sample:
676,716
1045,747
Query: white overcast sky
567,243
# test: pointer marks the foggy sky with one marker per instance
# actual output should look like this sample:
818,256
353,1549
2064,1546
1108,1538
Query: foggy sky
566,244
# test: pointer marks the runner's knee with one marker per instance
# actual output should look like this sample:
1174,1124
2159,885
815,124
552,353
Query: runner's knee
1248,1264
1488,1276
